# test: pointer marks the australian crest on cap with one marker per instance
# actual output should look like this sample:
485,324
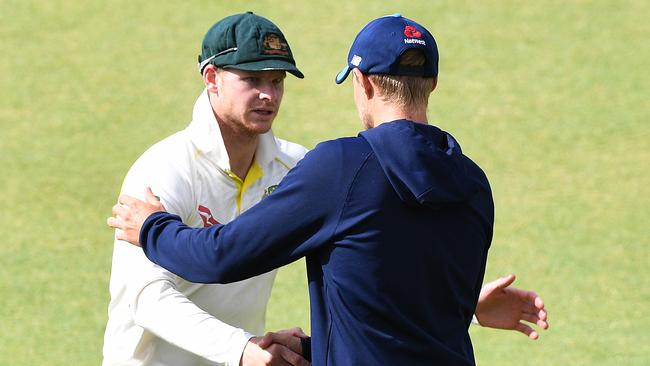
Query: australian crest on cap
275,45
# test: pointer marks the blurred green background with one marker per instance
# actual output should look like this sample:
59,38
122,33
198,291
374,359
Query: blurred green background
550,98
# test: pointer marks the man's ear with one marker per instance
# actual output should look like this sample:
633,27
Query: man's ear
435,83
210,78
364,82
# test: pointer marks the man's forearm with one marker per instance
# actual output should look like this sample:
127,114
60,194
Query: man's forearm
164,311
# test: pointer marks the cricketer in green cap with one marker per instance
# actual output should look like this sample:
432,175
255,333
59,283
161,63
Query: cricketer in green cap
247,42
221,164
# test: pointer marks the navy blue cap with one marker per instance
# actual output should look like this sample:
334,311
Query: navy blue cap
379,45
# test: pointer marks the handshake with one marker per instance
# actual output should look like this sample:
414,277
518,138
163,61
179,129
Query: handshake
281,348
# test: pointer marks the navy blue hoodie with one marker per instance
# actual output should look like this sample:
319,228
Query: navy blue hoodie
395,225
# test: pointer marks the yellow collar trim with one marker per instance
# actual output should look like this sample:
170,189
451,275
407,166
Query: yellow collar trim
254,173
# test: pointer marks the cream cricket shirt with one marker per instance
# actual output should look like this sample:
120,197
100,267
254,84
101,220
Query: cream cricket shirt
156,317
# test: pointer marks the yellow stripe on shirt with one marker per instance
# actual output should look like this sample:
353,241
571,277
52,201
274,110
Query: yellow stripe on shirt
254,173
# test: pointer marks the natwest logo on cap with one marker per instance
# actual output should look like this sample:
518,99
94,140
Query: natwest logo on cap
411,32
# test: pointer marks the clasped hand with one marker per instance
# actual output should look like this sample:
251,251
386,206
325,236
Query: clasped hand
282,348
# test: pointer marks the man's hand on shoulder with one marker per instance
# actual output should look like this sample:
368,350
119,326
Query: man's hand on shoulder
275,348
130,213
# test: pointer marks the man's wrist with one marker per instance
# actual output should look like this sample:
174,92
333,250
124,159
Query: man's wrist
248,337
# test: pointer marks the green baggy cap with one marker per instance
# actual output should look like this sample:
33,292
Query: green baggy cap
247,42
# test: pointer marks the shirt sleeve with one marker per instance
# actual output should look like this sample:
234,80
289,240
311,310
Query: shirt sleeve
167,313
300,217
154,301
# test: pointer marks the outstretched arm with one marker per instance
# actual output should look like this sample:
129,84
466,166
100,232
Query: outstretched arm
164,311
503,307
233,252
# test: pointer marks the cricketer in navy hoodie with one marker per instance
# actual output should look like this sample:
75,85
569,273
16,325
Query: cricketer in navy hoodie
395,225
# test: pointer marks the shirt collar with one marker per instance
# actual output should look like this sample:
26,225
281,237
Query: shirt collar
206,135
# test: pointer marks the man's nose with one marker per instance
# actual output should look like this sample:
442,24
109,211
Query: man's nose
268,91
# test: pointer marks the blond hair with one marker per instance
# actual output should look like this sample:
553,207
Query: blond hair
406,91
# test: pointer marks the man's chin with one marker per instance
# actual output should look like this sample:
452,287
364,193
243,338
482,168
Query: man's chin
260,127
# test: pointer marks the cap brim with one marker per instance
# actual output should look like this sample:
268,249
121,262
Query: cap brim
340,77
266,65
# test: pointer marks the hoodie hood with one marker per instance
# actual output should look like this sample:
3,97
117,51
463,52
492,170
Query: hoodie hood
424,164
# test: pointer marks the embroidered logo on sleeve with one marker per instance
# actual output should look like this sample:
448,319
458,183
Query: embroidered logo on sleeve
206,216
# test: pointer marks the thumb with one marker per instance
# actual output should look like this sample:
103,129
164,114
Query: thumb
504,282
295,332
298,332
265,340
150,197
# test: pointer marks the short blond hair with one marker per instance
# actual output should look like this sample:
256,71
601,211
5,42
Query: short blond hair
406,91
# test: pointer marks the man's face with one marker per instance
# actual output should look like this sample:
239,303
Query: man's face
248,101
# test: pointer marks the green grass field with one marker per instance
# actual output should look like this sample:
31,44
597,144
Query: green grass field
551,99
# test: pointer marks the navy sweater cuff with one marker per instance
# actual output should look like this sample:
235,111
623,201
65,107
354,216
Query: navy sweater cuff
306,348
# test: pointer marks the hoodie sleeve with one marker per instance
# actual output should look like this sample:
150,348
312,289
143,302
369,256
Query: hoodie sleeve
300,217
